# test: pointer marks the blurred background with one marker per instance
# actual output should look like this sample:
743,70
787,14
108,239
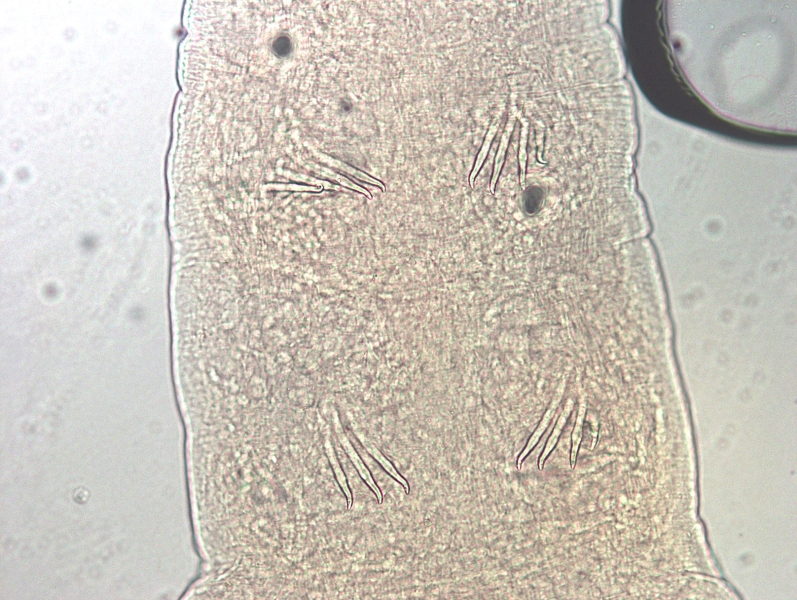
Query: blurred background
93,499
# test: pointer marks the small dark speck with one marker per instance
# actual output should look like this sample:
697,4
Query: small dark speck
282,46
747,559
22,174
532,199
136,313
89,242
677,45
713,227
179,32
51,291
345,105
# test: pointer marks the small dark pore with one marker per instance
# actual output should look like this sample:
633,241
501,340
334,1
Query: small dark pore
532,199
282,46
346,105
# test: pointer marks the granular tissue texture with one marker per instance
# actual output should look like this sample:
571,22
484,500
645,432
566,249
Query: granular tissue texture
420,337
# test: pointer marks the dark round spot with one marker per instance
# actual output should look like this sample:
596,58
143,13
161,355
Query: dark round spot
532,199
713,227
22,174
677,44
282,46
345,105
51,291
136,313
89,242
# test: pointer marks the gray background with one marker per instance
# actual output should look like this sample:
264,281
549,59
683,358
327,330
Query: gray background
92,489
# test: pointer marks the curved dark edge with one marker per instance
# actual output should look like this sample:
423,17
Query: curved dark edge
649,55
685,92
176,394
